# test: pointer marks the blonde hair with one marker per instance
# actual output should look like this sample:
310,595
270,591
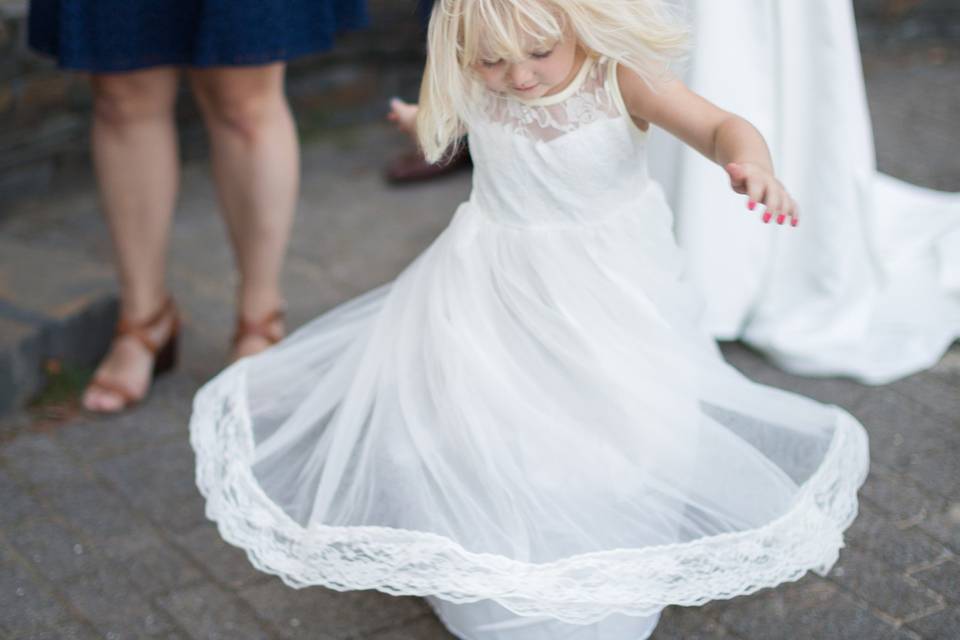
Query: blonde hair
643,35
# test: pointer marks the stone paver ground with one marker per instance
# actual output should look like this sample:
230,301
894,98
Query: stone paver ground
102,531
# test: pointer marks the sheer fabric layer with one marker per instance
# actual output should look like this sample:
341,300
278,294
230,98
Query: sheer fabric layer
462,433
529,415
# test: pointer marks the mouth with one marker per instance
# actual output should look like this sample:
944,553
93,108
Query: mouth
526,89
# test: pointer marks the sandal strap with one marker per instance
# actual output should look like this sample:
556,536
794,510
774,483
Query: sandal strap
262,328
141,330
129,398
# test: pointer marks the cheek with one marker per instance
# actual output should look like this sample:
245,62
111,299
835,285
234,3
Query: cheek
556,70
561,62
492,78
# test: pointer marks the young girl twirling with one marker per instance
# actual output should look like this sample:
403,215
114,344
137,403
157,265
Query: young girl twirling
528,425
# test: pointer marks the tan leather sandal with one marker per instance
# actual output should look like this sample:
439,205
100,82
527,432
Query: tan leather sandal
164,352
262,328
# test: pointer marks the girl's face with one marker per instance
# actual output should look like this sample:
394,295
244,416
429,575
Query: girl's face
544,71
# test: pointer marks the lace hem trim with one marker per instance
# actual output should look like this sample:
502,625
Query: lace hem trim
581,589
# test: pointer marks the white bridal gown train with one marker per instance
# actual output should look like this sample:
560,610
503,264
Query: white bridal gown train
868,286
529,426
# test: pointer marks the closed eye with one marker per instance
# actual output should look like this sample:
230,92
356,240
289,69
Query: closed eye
540,55
490,63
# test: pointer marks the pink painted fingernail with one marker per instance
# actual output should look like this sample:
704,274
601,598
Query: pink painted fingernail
794,222
781,218
751,205
767,216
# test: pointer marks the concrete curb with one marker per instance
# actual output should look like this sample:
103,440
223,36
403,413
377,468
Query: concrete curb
30,340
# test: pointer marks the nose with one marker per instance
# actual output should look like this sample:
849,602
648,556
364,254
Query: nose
520,75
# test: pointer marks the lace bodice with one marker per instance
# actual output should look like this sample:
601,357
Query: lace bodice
570,158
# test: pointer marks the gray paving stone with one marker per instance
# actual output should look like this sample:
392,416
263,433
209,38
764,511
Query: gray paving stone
938,470
198,253
945,526
321,614
16,503
154,565
939,393
206,612
943,578
55,551
900,497
163,416
901,429
902,549
943,625
427,628
906,129
150,423
208,355
174,393
355,242
690,623
69,631
98,513
811,609
883,586
38,458
57,298
108,599
226,563
159,482
25,604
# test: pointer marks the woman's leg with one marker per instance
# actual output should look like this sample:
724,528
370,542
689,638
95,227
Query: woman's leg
135,156
256,165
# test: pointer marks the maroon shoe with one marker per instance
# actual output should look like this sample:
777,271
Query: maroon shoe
413,167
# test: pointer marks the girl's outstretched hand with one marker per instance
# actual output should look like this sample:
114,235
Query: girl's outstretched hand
761,186
404,116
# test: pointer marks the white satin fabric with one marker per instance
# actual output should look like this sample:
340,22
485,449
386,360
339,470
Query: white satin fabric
528,425
868,286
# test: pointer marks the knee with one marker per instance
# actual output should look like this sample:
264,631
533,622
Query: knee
119,102
243,112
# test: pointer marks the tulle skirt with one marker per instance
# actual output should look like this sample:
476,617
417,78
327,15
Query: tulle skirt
526,423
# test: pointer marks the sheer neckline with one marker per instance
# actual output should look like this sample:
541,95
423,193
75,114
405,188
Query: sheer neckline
569,90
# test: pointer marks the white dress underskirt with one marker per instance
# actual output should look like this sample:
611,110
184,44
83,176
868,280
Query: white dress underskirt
486,620
528,426
868,286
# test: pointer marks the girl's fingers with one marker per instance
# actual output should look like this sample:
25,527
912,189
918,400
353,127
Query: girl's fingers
789,210
794,213
764,189
781,209
786,215
775,203
755,191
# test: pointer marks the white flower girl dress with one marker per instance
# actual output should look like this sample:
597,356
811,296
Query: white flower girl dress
527,425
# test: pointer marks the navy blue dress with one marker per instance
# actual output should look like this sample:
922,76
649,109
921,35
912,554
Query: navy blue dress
123,35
